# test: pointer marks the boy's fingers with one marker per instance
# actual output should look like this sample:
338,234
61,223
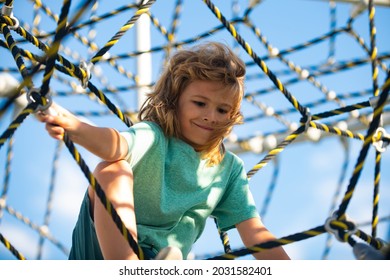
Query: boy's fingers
58,120
55,130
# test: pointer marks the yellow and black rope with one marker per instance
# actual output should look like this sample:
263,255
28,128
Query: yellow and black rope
96,19
271,244
100,193
367,141
230,27
16,123
274,152
11,248
375,87
5,22
143,8
52,52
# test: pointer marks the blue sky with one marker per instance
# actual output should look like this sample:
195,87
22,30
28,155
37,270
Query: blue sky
308,171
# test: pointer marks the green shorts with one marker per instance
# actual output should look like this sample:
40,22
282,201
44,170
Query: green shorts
85,245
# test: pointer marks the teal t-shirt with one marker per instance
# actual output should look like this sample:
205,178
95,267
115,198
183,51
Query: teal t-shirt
175,191
174,194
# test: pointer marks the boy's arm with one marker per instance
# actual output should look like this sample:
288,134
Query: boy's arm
106,143
252,232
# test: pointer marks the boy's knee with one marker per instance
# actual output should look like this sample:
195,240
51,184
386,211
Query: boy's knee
111,176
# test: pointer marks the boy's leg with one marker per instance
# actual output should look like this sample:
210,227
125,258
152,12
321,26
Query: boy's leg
116,179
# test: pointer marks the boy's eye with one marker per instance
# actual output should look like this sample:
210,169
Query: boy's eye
199,103
222,111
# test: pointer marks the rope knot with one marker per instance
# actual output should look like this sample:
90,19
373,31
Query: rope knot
42,102
342,229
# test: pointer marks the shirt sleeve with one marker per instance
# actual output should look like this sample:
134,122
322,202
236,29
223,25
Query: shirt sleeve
140,138
237,203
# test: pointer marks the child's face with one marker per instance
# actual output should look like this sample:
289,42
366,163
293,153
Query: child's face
202,105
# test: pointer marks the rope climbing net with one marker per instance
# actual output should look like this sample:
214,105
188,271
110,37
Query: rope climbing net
88,56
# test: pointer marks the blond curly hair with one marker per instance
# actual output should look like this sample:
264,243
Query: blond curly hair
206,62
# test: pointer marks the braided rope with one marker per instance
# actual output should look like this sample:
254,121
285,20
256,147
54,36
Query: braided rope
16,123
274,152
302,73
363,153
271,244
375,87
224,238
12,45
143,8
102,197
51,53
96,19
254,56
11,248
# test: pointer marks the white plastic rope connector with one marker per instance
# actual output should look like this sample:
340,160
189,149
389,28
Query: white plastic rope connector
338,230
381,139
8,11
44,105
87,67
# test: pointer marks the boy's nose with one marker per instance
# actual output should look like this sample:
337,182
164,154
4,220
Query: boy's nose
209,116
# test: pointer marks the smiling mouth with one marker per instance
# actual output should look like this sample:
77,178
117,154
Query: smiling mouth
204,127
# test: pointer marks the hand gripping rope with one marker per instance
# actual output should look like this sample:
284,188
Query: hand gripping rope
44,106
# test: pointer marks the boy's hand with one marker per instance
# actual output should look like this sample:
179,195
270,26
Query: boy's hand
58,120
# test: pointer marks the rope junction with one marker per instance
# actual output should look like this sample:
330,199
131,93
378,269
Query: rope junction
52,64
